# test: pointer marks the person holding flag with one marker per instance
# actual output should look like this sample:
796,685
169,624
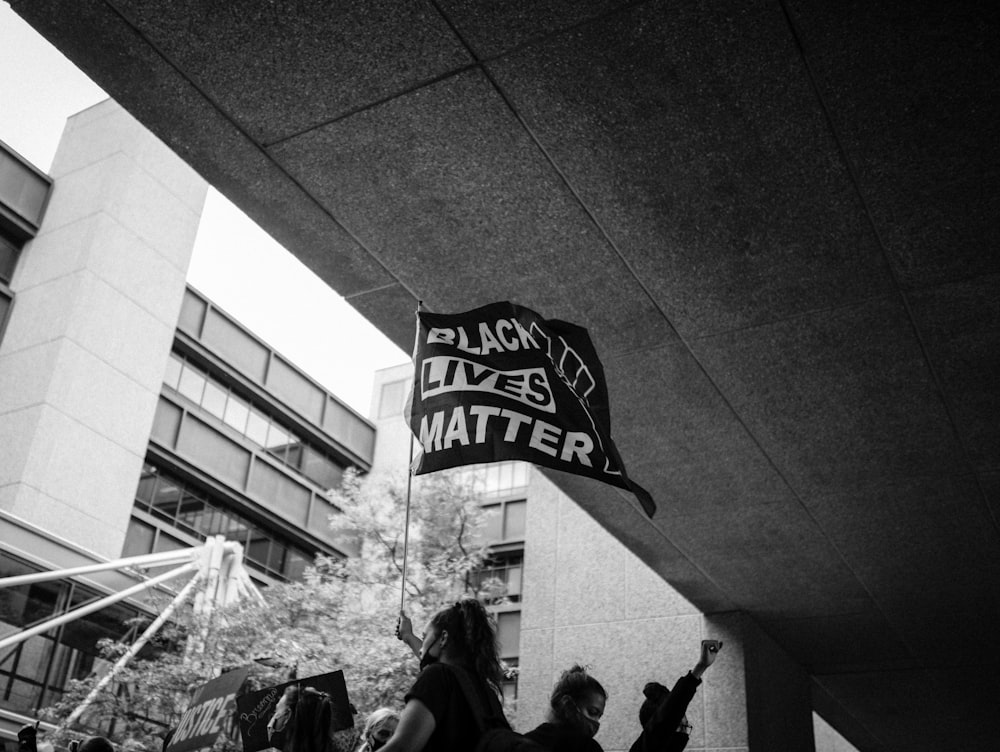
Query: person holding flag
458,654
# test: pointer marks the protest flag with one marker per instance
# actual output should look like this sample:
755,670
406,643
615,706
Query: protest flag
502,383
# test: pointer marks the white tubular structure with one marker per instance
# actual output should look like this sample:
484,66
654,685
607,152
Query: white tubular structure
151,630
217,557
97,605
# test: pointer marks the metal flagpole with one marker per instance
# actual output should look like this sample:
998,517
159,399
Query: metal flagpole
409,475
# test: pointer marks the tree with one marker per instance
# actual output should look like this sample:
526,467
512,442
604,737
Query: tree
342,615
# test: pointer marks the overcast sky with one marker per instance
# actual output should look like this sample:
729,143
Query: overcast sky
303,318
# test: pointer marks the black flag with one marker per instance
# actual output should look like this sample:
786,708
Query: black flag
502,383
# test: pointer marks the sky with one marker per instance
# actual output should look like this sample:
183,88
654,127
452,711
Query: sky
304,320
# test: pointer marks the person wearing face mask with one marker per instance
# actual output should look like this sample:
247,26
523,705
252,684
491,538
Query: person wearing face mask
575,710
379,727
664,724
458,654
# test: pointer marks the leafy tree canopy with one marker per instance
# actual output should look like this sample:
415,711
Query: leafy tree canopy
341,615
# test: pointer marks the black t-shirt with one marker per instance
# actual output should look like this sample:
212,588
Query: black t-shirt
563,738
455,727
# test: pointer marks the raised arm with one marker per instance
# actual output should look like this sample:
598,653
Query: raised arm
709,650
404,632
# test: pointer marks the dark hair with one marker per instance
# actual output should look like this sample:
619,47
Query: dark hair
574,686
95,744
309,724
472,638
655,694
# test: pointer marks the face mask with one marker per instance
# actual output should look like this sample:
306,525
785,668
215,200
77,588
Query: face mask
427,659
591,725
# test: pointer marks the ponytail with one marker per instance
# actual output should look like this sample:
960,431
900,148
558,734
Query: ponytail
473,638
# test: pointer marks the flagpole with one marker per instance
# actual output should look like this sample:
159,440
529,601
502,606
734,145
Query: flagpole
409,475
406,526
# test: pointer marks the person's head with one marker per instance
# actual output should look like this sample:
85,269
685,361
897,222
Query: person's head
379,728
655,694
95,744
463,634
578,700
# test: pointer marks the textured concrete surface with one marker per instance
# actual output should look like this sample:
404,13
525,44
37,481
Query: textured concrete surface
777,218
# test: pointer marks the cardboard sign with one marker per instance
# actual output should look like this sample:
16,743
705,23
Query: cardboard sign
207,715
254,709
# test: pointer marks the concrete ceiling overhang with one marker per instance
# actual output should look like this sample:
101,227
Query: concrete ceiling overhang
777,219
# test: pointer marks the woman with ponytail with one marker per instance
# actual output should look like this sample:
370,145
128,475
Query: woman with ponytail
458,654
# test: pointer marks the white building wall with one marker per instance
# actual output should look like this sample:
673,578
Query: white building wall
97,295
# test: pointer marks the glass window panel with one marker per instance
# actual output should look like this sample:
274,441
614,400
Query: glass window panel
295,564
276,557
5,301
258,548
166,499
391,399
33,656
294,456
22,695
257,424
493,529
173,375
520,474
138,539
237,412
277,440
192,512
505,481
147,484
491,479
514,513
166,542
214,399
509,633
192,383
514,581
8,259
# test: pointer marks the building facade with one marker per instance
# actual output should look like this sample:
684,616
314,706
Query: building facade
136,416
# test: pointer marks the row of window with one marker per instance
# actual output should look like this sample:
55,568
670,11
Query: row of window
249,420
505,571
189,510
496,479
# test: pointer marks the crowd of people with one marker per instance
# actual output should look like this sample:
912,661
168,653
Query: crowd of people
454,704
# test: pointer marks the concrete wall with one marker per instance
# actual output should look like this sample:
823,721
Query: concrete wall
98,293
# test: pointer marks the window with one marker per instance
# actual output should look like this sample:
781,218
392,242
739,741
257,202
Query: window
34,673
192,512
500,578
192,384
8,259
214,399
5,303
505,521
241,415
391,399
509,633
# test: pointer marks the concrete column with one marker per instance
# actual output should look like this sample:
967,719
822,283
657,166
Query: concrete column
97,295
756,697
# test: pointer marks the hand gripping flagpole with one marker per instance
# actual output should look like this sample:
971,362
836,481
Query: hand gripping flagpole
409,474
